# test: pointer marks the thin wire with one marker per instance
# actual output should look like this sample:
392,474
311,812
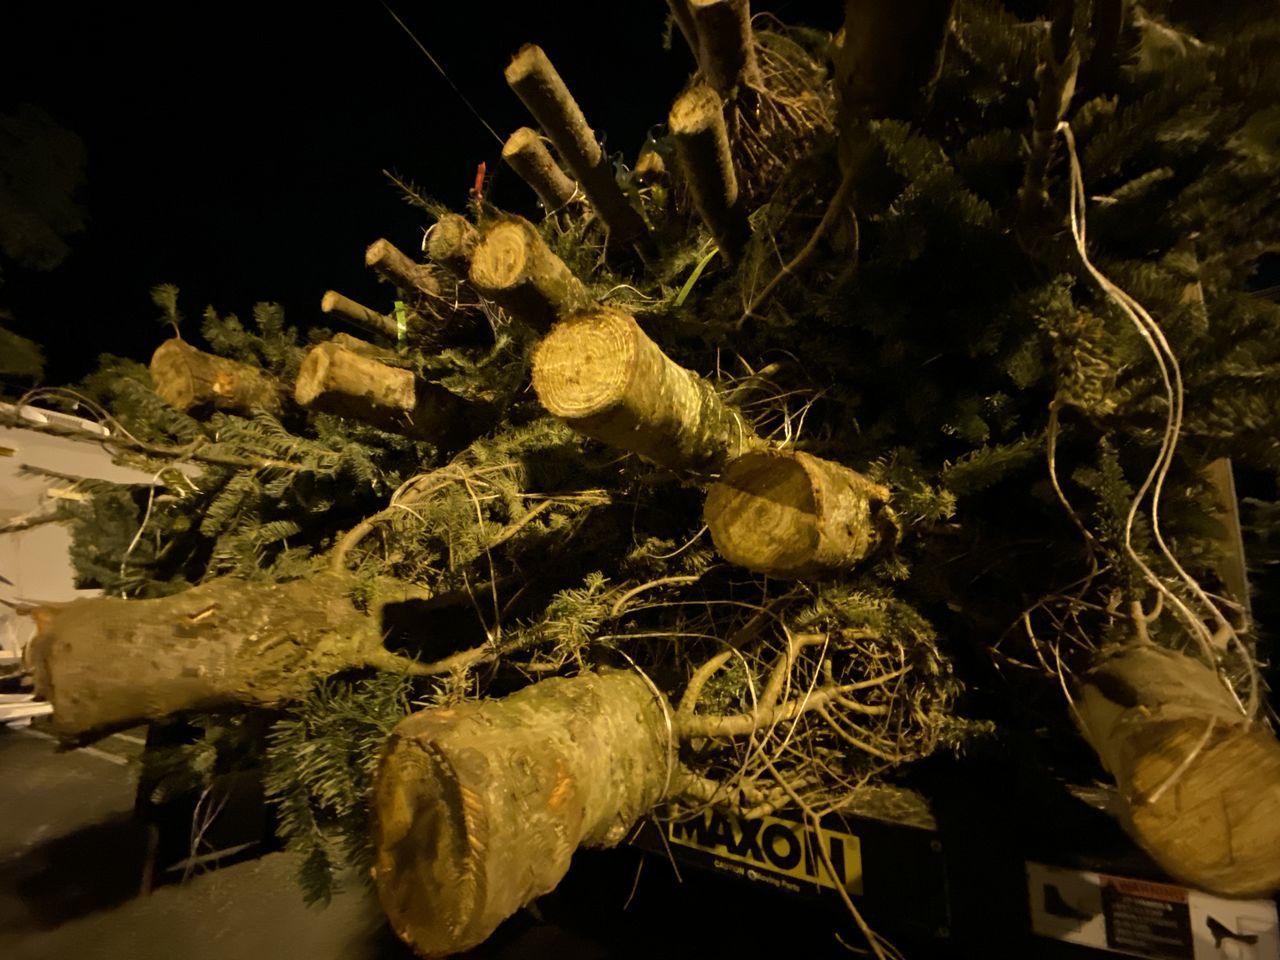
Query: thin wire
1171,375
447,79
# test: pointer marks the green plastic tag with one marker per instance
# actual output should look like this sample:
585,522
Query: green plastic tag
402,321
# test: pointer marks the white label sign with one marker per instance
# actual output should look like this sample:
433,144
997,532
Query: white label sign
1160,921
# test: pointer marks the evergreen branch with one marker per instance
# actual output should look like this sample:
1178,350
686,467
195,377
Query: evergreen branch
191,451
33,519
834,209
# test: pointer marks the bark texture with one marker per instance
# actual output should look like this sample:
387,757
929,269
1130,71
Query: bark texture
451,243
682,16
517,270
338,380
602,375
887,57
702,147
538,85
1199,786
792,515
360,315
192,380
478,808
413,279
726,45
526,154
362,347
107,663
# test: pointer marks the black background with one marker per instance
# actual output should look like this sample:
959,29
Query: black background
236,149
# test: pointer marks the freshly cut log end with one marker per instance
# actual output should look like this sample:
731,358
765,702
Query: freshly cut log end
702,147
478,808
539,86
1199,786
726,44
600,373
192,380
514,267
789,515
107,663
359,314
346,383
526,154
415,279
451,243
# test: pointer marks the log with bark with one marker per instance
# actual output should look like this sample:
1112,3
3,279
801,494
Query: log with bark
702,148
887,57
360,315
538,85
1199,783
479,807
682,17
601,374
197,382
348,383
451,243
514,267
789,514
364,347
528,156
107,663
414,280
726,45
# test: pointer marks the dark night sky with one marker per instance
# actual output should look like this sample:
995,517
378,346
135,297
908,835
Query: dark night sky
236,148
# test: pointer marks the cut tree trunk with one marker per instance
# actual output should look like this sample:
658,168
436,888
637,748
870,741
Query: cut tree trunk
194,381
479,807
682,16
335,379
360,315
107,663
726,45
790,515
413,279
526,154
363,347
602,375
702,147
1199,784
887,57
451,243
538,85
517,270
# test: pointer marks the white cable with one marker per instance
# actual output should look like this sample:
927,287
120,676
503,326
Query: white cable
1171,376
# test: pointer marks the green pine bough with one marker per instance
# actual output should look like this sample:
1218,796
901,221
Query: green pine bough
734,516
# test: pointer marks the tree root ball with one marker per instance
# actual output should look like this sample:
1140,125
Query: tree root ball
788,514
1199,785
478,808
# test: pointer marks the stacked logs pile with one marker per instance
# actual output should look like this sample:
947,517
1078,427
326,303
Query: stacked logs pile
461,841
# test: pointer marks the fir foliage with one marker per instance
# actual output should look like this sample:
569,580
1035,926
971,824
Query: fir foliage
939,339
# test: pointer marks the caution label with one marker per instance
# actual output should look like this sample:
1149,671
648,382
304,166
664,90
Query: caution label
775,851
1141,918
1147,919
